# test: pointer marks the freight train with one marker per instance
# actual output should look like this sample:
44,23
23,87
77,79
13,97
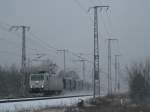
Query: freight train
44,82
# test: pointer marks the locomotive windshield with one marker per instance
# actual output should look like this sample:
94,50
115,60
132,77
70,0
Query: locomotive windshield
37,77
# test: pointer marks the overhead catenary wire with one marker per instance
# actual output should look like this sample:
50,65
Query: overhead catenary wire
49,47
105,26
54,48
83,9
108,16
8,30
9,52
6,27
92,2
13,43
100,2
16,34
40,41
80,5
102,19
45,43
109,21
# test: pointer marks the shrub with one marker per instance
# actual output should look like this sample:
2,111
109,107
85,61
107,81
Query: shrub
139,87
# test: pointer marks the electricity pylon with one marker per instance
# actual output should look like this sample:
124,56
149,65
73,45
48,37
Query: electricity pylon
96,47
23,62
109,66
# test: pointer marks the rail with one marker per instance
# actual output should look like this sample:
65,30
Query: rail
39,98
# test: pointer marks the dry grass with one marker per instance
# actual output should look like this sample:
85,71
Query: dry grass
105,104
114,105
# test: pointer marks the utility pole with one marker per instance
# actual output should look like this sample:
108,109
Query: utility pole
146,70
148,66
96,47
119,74
109,67
117,83
64,52
23,62
83,70
116,73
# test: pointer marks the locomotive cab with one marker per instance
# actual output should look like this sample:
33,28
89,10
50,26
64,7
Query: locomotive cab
44,82
36,82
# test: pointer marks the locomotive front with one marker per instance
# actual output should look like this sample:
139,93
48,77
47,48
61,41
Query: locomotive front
36,82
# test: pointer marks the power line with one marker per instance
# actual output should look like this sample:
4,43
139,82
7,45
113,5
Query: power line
6,24
75,54
92,2
8,52
109,22
8,29
105,26
54,48
108,19
11,42
83,9
40,40
43,44
3,28
100,2
80,5
34,39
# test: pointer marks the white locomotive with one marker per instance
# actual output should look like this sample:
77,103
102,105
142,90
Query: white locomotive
44,82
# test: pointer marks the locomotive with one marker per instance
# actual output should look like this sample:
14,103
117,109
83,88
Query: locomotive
44,82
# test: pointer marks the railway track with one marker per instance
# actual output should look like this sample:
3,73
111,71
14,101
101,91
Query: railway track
39,98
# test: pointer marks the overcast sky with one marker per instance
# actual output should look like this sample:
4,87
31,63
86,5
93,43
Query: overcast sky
65,24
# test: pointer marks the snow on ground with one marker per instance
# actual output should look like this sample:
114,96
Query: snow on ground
54,110
77,92
13,107
83,92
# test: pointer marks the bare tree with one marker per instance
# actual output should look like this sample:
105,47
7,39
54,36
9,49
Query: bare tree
139,86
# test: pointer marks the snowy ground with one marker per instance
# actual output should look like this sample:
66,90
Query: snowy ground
13,107
77,92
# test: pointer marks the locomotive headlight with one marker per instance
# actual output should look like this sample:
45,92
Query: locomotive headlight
42,86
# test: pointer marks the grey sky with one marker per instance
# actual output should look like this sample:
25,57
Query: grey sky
63,24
